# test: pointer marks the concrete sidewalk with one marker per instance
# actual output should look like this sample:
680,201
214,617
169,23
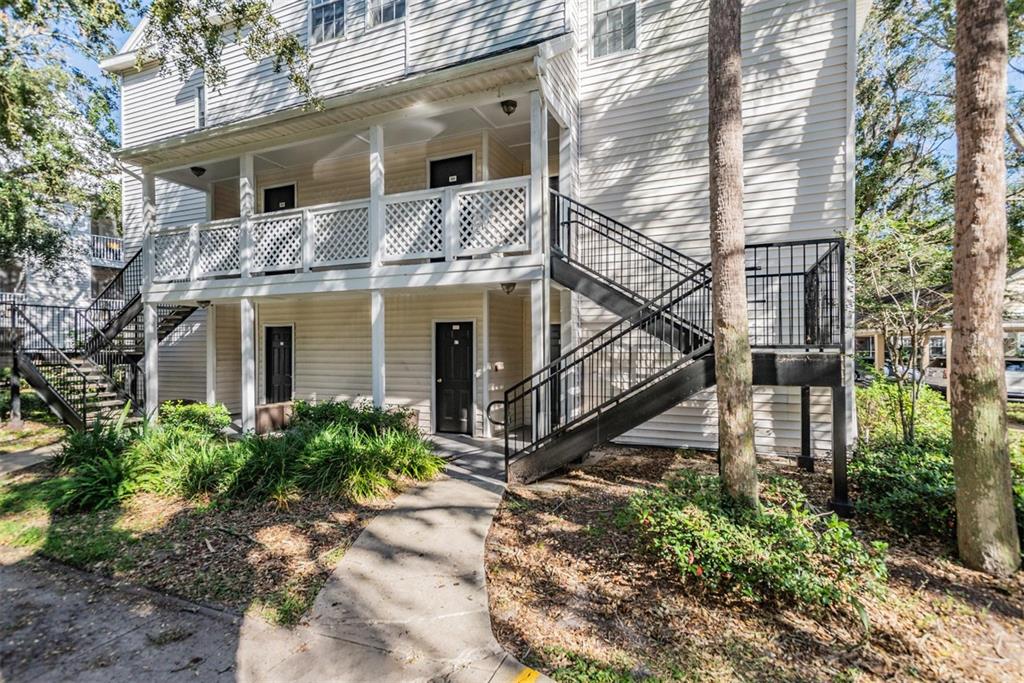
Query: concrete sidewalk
13,462
408,602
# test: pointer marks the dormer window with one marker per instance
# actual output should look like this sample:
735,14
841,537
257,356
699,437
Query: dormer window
614,26
383,11
327,20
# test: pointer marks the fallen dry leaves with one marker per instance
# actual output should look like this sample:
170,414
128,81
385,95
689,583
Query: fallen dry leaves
564,577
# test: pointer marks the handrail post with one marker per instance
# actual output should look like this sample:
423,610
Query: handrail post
308,239
15,419
449,220
193,252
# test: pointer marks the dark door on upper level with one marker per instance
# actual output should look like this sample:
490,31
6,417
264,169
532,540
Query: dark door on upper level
279,198
279,364
453,171
453,366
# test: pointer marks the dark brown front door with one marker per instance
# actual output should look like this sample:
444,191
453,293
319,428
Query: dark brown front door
454,380
279,364
454,171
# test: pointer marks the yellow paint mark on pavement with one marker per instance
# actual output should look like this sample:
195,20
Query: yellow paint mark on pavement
527,676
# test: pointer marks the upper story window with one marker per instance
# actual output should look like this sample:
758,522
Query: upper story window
200,106
327,20
383,11
614,26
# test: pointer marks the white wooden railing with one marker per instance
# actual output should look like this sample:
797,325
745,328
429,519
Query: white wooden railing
107,248
483,218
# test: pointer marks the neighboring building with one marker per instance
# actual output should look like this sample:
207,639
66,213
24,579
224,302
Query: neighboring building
93,257
400,245
870,343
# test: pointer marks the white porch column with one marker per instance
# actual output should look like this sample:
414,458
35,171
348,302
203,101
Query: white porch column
540,351
248,315
148,225
377,351
211,355
246,208
485,360
376,195
152,360
540,294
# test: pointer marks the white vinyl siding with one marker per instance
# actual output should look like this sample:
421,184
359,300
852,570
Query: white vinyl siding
644,160
228,385
182,360
157,105
330,346
176,205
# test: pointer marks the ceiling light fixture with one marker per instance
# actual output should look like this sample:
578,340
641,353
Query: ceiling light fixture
509,106
197,171
508,287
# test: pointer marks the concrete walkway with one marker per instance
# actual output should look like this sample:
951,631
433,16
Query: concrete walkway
408,602
12,462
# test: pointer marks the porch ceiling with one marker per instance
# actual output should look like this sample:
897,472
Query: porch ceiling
428,95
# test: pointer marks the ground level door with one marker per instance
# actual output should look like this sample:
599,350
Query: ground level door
279,364
453,367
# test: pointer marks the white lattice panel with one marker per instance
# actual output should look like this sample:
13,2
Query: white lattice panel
414,228
171,258
218,251
342,236
492,220
277,242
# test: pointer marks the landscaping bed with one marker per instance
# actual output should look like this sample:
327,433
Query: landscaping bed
576,591
255,524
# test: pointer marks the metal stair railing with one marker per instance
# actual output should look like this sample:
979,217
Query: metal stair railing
610,366
50,361
119,363
615,253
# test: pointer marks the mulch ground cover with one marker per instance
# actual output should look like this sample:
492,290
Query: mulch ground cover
574,594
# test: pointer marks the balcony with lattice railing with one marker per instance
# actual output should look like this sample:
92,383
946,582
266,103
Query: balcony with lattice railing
476,221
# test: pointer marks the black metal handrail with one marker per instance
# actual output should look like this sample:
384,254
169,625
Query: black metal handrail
118,362
52,363
620,256
123,288
607,368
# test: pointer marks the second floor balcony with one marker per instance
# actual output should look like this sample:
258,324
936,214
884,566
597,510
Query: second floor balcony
452,196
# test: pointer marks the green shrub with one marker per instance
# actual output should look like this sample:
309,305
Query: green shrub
365,417
268,466
779,552
103,482
408,454
878,413
99,441
212,419
912,488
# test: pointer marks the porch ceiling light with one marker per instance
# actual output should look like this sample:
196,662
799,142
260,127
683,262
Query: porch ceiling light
197,171
508,287
509,107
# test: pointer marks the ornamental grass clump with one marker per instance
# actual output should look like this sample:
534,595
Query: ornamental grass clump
781,552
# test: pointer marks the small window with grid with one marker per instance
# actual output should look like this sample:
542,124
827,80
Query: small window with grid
327,20
383,11
614,26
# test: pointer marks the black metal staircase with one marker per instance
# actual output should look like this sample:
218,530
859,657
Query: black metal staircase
86,364
660,351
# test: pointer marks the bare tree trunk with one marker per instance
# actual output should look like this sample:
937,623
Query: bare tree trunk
986,529
733,367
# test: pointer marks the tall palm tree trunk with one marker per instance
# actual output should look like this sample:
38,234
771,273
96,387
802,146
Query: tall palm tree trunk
986,529
733,367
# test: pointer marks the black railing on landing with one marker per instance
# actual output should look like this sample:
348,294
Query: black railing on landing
618,255
119,292
796,294
604,370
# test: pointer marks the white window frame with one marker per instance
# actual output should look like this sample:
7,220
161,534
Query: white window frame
309,22
592,26
200,100
369,14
